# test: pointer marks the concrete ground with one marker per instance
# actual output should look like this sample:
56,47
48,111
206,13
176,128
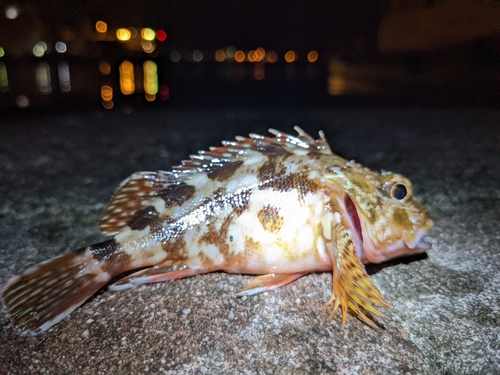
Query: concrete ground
57,174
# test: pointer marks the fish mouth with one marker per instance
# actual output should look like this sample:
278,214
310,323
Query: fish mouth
365,240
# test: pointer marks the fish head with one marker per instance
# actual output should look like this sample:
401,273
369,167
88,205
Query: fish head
380,211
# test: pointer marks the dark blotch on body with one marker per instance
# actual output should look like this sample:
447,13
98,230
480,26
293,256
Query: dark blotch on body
225,171
143,218
176,194
270,219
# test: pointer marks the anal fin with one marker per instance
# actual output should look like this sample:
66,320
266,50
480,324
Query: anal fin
268,282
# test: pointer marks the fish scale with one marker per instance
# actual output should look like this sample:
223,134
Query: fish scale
277,207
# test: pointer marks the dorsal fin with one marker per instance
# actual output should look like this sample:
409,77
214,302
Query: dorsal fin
131,196
136,191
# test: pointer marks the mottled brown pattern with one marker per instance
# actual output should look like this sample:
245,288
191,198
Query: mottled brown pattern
176,194
225,171
298,181
273,168
144,217
270,218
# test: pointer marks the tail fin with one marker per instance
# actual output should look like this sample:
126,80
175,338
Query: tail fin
46,293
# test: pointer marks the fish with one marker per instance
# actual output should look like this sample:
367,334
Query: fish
275,207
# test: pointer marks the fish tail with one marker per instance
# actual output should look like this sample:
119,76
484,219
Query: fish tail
46,293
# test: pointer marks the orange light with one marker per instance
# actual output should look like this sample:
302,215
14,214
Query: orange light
148,34
312,56
150,98
106,93
251,56
259,71
259,54
239,56
104,68
290,56
127,85
148,47
123,34
271,57
108,104
220,56
101,26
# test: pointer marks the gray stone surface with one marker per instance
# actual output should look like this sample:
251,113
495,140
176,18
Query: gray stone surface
57,174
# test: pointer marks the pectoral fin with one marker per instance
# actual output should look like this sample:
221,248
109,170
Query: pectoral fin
352,287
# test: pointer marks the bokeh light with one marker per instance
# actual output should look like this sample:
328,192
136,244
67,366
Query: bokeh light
164,92
42,75
4,80
106,93
39,49
197,56
2,52
239,56
251,56
127,85
150,78
105,68
148,47
271,57
290,56
61,47
175,56
259,54
148,34
101,26
312,56
220,56
123,34
11,12
161,35
64,76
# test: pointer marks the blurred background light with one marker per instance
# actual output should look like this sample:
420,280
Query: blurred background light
259,54
61,47
106,93
64,77
239,56
11,12
123,34
230,51
2,52
161,35
290,56
39,49
197,56
150,78
42,75
312,56
271,57
101,26
148,34
251,56
127,85
148,47
175,56
22,101
4,81
164,92
105,68
220,56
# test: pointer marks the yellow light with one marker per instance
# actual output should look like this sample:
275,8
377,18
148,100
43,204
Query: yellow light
220,56
127,85
104,68
150,98
4,81
148,34
2,52
312,56
101,26
106,93
150,78
239,56
271,57
123,34
290,56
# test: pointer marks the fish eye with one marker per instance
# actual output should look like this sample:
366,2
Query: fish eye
398,191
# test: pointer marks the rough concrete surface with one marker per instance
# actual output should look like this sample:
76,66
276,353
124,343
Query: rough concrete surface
57,174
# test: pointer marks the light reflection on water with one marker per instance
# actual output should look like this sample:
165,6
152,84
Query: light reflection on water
117,84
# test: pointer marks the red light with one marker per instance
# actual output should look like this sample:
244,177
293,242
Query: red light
161,35
164,92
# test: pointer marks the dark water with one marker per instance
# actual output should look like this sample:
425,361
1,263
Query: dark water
55,84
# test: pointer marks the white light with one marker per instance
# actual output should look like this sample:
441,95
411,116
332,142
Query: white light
175,56
197,56
22,101
64,78
39,49
61,47
11,12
